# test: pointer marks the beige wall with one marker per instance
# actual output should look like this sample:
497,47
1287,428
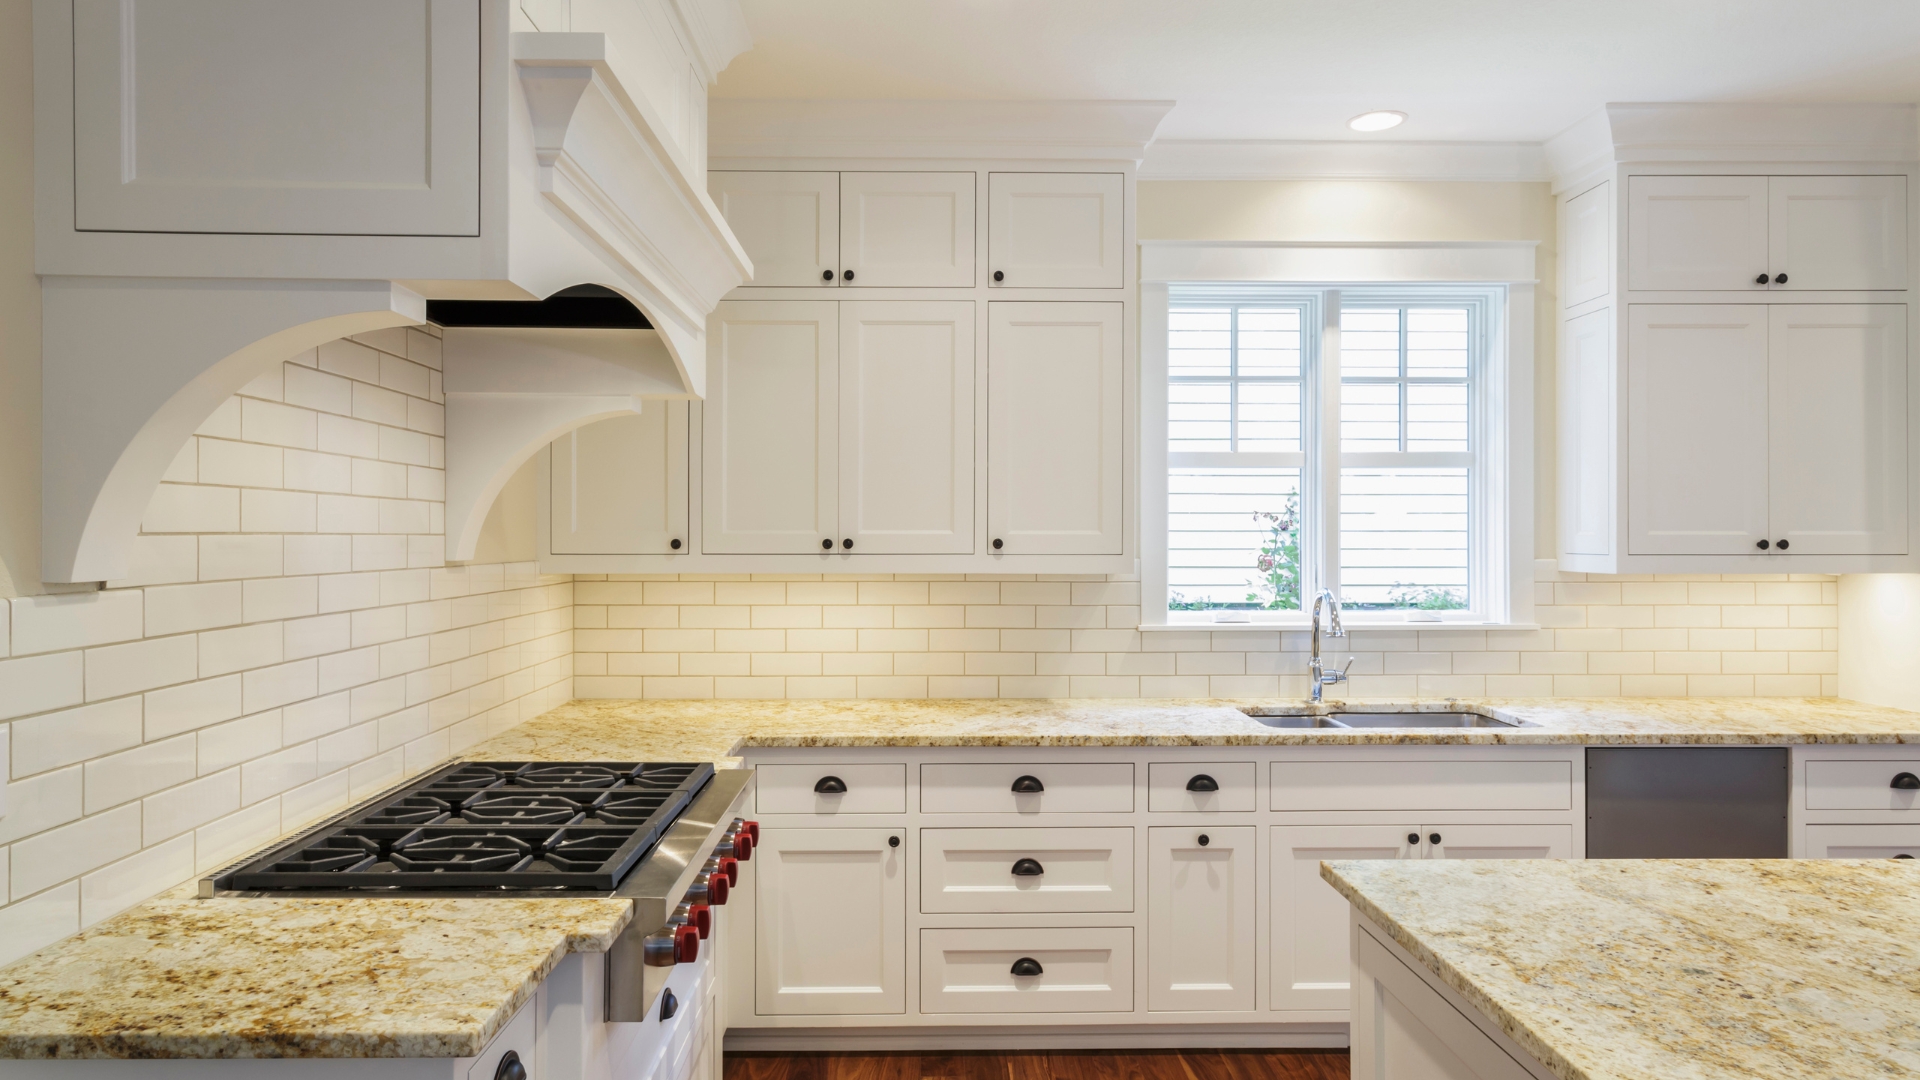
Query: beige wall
19,311
1385,210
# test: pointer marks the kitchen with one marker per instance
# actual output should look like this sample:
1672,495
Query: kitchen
1200,579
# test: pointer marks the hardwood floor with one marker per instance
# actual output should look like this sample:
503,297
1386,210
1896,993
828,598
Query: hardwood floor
1055,1065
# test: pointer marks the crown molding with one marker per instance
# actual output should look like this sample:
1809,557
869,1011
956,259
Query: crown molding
1253,159
1628,133
718,32
791,128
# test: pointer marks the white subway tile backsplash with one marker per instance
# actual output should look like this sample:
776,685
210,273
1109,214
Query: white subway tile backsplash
188,806
191,705
143,770
38,803
48,858
31,923
44,624
51,740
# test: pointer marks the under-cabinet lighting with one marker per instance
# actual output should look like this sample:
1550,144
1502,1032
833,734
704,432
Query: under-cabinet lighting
1378,120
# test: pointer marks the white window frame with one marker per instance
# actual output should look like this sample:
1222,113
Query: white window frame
1497,275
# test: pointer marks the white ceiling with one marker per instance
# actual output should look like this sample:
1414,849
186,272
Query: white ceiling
1482,70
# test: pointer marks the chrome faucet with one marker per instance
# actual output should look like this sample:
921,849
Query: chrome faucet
1322,679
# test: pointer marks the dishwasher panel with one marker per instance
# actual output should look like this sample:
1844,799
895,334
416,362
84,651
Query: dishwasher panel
1687,802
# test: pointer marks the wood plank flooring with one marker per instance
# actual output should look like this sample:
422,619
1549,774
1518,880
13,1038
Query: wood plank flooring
1054,1065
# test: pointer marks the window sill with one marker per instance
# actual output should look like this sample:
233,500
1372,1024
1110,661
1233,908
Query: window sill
1347,622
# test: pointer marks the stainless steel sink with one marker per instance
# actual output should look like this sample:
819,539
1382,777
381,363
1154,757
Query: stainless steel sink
1352,720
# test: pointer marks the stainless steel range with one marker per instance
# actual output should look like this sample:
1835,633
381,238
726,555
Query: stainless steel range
659,834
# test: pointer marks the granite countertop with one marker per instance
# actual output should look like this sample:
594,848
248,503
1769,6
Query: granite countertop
1610,970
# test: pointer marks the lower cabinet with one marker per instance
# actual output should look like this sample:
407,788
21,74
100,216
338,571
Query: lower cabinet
1404,1029
1863,842
832,934
1200,919
1014,970
1310,952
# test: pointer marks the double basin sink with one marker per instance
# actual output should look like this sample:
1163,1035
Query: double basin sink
1356,720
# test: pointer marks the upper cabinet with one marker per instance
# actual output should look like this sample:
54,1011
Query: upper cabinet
1766,233
1586,246
906,229
1055,230
789,223
619,486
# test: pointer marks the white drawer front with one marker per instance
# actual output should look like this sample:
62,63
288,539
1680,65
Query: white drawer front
870,789
1860,785
1422,785
1088,969
1171,784
1863,841
1091,788
972,870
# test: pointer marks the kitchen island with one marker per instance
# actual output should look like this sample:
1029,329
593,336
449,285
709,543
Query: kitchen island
1622,970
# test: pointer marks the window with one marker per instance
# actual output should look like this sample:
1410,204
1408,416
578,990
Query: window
1336,439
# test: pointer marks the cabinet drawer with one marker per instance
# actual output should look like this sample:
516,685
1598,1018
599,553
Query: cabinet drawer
870,789
1862,842
1087,969
1860,785
1422,785
972,870
1102,788
1171,786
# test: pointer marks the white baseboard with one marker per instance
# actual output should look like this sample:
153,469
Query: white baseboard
1132,1037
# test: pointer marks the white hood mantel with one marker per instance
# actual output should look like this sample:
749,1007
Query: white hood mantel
219,190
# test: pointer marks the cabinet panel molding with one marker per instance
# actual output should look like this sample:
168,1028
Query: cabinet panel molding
1586,434
1586,229
788,222
831,933
907,229
620,485
1200,918
1055,230
1697,232
1838,232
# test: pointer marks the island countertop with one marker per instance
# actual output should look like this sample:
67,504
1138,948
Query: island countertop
1636,970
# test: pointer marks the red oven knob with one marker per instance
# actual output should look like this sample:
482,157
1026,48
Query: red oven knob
743,847
730,868
700,917
686,944
752,829
717,887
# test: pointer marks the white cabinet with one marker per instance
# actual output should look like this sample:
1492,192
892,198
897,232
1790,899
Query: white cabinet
1759,233
788,222
1750,423
1200,919
620,486
906,426
1055,230
771,427
1022,970
831,926
1586,416
1310,959
1586,245
1863,842
245,123
1055,456
1026,870
907,229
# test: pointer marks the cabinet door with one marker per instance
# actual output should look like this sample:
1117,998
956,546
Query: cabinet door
771,427
1586,226
1498,841
1310,935
832,914
907,229
1837,428
789,223
1055,230
1696,428
620,485
906,426
1200,910
1697,232
1586,413
1838,232
1054,450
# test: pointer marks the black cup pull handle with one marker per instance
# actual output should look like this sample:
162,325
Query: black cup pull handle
1027,785
1203,782
1028,868
830,785
511,1068
1906,781
1903,855
1028,966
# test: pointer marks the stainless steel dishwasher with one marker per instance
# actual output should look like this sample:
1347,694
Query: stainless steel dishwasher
1687,802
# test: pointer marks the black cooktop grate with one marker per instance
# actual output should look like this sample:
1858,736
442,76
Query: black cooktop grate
509,825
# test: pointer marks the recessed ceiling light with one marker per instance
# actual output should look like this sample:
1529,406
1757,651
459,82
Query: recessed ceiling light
1379,120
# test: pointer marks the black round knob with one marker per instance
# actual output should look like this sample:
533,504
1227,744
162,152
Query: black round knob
1413,838
674,544
847,543
1905,781
830,785
1779,279
827,275
1781,544
893,841
1433,838
1205,840
1027,785
998,544
1761,280
826,545
999,276
1028,868
510,1067
1762,544
846,275
1202,782
1026,966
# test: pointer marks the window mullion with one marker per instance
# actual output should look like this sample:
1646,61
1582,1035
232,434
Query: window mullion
1324,461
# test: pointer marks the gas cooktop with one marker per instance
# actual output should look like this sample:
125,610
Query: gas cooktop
487,825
